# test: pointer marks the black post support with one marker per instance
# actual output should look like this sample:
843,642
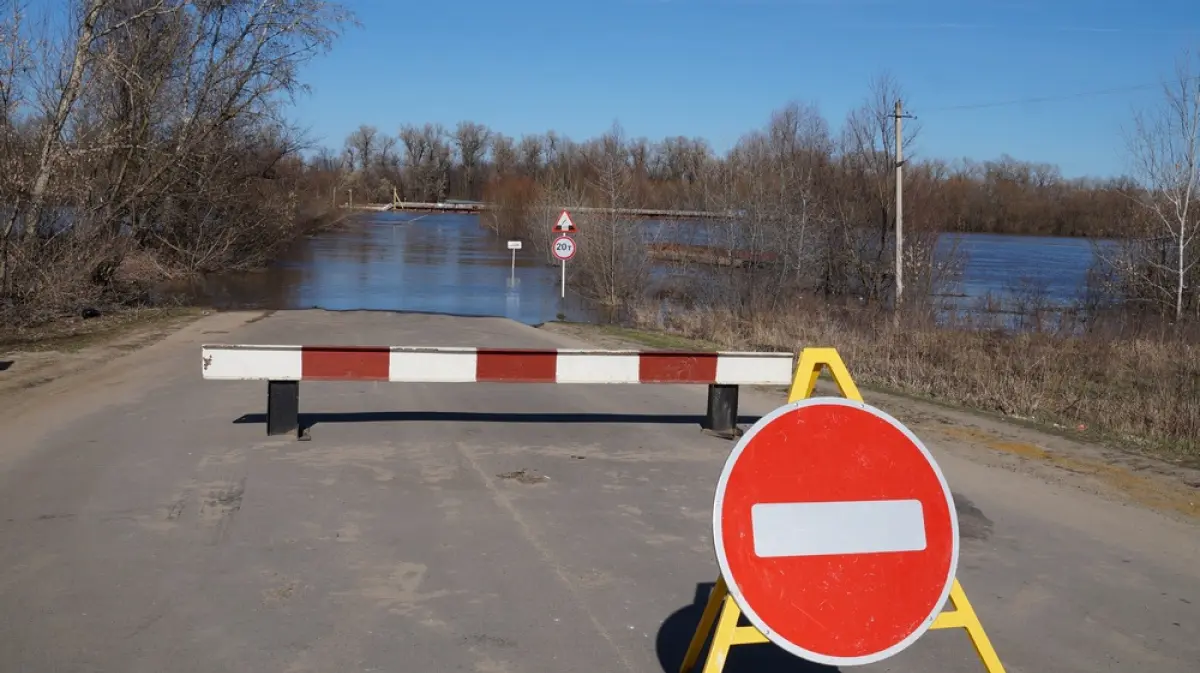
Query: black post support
722,415
283,407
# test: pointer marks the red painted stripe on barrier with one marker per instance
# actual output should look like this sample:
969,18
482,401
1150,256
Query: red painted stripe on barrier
667,367
344,363
516,365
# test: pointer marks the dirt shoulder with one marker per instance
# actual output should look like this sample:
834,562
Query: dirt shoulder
1050,454
71,373
35,357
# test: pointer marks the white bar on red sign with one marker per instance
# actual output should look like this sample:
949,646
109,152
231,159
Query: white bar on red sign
824,528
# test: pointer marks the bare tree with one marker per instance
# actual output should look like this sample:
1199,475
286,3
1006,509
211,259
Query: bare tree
869,154
362,146
531,155
504,154
159,129
373,162
1165,145
15,148
613,263
471,141
427,160
89,31
386,157
800,150
328,161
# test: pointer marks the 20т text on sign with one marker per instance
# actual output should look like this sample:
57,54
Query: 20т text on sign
564,248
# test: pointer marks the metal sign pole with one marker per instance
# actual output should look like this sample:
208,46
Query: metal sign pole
513,247
562,293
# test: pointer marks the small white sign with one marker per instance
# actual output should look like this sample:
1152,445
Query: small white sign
564,248
514,245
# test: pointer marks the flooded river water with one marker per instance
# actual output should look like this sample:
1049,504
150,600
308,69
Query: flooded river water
447,263
438,263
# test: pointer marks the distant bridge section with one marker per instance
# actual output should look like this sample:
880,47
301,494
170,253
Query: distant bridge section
476,208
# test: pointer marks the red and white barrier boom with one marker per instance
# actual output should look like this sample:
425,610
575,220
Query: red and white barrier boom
283,367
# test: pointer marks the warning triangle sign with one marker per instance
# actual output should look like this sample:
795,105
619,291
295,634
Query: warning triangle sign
564,223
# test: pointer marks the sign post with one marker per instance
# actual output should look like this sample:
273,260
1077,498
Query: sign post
563,246
514,246
563,249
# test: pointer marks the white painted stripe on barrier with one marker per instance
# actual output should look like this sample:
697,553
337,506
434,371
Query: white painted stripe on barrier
576,366
821,528
252,362
754,368
440,365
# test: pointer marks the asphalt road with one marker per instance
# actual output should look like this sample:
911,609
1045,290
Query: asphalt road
150,525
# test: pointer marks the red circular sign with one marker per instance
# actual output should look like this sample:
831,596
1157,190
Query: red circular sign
563,248
835,531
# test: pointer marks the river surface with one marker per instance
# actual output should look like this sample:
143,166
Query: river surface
446,263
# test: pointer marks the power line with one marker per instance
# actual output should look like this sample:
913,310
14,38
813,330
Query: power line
1049,99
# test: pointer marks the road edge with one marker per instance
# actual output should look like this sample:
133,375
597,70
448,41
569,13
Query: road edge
1099,468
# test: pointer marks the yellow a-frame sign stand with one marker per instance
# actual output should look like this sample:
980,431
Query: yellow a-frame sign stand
721,603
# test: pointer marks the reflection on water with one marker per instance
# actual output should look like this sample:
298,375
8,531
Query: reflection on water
445,263
1053,268
439,263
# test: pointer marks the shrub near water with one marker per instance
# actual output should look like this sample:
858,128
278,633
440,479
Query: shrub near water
1144,390
167,152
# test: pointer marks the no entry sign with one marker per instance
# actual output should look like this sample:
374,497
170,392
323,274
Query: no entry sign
835,531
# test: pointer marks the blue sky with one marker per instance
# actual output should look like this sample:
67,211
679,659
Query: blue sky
717,68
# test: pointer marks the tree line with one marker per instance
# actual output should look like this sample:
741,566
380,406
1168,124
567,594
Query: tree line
817,200
469,161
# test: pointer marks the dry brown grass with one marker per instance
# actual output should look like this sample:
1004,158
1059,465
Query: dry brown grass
1146,392
72,334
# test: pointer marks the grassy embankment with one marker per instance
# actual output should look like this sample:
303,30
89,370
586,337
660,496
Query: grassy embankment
1141,393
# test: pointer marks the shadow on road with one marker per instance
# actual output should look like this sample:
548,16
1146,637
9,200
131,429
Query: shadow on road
5,364
310,419
676,632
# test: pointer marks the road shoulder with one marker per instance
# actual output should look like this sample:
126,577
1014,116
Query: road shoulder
49,383
1048,454
36,357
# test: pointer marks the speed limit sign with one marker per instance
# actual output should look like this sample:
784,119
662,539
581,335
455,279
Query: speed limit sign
563,248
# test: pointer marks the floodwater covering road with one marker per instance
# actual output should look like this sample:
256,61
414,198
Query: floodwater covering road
448,263
433,263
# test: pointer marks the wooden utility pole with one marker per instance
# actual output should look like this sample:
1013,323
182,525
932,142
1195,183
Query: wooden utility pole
898,115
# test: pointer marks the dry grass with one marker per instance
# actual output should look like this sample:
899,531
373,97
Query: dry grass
72,334
1146,392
